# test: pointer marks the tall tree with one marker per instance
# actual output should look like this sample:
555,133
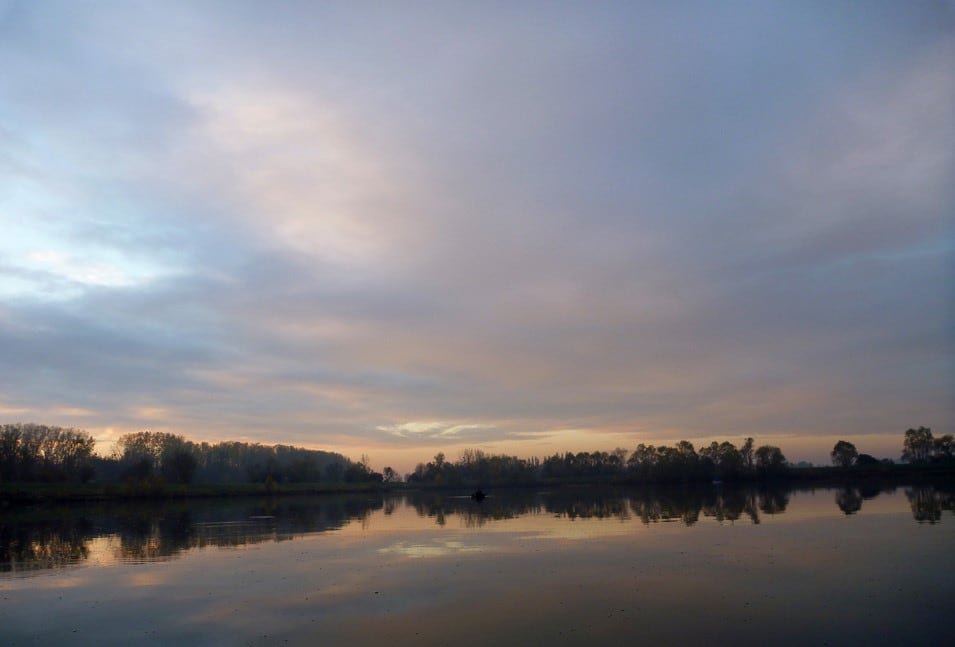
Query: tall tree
844,454
944,447
390,475
32,452
770,460
746,451
918,445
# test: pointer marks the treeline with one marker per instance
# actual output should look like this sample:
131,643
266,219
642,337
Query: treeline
145,455
647,463
31,452
919,447
39,453
476,467
718,461
681,462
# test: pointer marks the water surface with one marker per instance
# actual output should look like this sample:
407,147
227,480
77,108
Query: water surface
852,565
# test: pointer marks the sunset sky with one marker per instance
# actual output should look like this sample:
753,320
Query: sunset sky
402,228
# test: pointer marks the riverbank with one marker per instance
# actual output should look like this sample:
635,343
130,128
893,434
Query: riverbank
20,493
31,493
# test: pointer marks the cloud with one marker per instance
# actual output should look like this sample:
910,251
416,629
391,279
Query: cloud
434,430
357,226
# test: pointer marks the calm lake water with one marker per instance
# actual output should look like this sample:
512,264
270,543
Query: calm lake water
565,566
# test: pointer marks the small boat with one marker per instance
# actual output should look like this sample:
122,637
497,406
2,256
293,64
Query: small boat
478,495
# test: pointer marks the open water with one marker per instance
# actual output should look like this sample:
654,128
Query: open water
851,565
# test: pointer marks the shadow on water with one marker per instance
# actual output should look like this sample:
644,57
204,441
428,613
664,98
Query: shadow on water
37,538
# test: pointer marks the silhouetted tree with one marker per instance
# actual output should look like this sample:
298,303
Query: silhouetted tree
145,453
917,446
728,460
943,448
770,460
475,468
32,452
746,452
361,473
844,454
642,461
390,475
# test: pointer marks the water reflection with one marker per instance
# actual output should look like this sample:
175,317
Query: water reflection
43,543
648,505
504,505
723,505
48,537
38,538
849,497
928,501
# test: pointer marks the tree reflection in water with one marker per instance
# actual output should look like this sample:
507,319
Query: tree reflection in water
928,502
849,497
439,506
42,538
35,544
33,539
849,500
649,505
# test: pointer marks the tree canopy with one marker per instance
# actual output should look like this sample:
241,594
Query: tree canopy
920,446
844,454
32,452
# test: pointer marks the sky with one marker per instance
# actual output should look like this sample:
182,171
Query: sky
395,229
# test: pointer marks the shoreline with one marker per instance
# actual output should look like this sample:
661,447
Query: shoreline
39,493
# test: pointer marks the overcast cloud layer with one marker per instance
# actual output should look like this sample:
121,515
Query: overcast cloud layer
523,228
